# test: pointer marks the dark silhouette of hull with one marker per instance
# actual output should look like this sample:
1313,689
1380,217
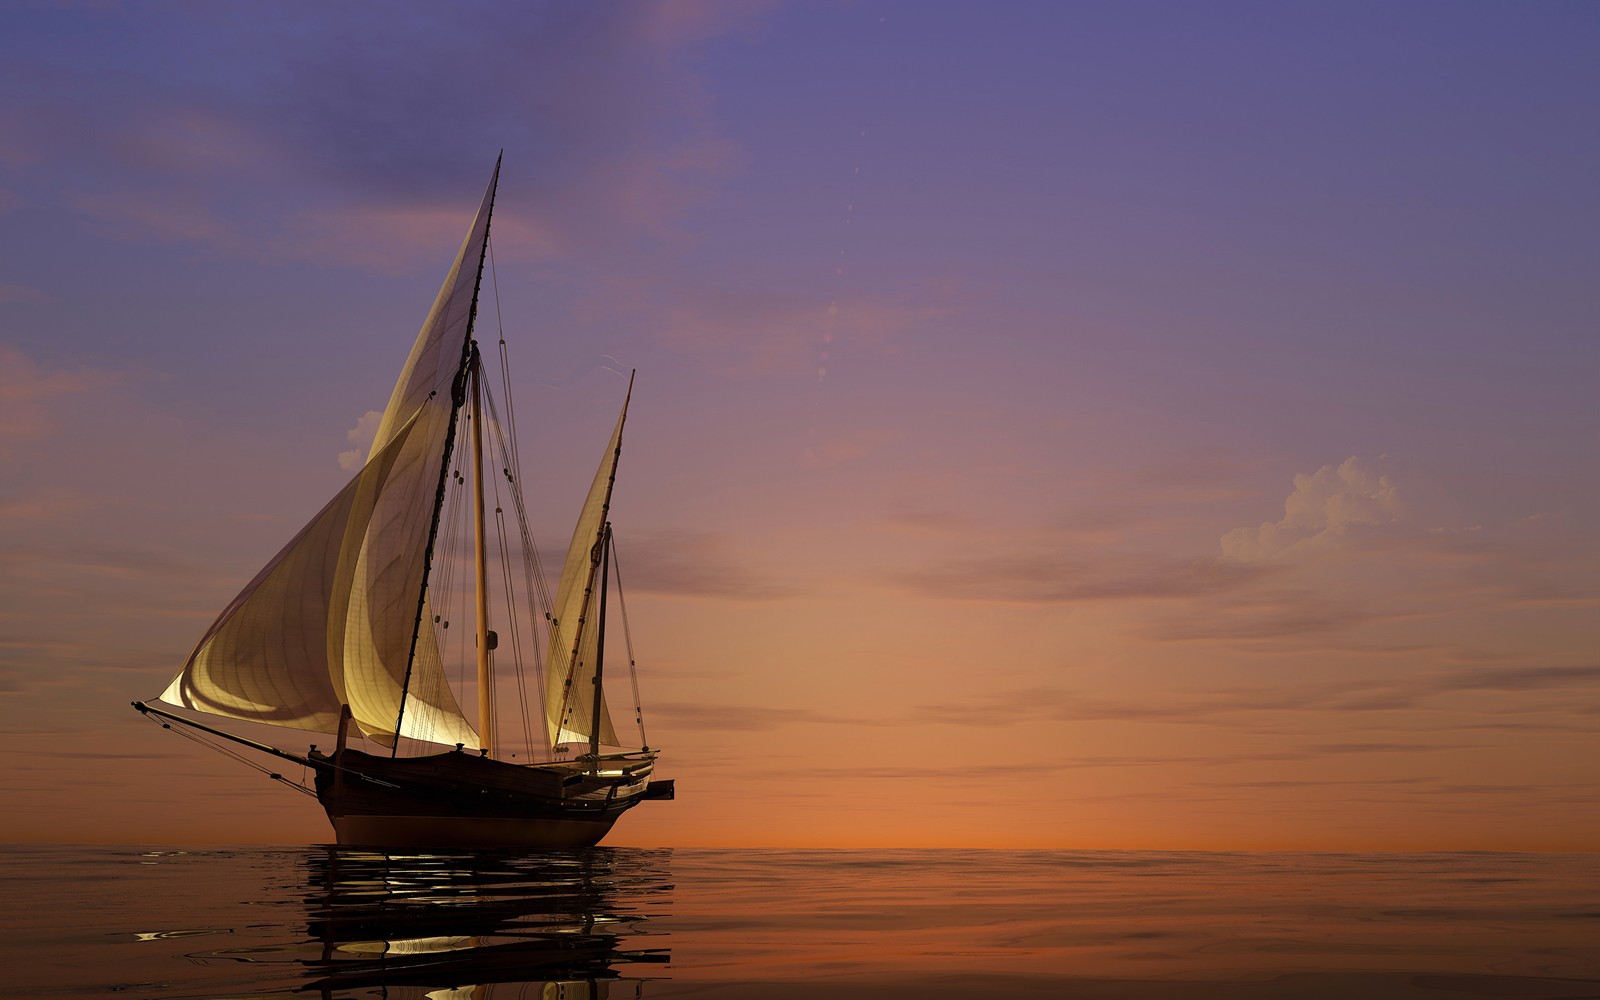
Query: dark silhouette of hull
461,800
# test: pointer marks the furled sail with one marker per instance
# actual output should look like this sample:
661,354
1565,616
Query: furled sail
331,618
569,672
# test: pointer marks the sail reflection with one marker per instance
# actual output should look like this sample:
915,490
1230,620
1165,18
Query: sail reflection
555,925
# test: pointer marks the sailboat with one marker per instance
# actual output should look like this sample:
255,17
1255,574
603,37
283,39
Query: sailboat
343,631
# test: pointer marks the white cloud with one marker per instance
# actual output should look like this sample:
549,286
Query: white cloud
1325,505
361,437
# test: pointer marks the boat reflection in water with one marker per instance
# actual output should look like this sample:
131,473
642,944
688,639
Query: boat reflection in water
556,925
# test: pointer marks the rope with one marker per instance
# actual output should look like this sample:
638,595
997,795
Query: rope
507,581
532,566
445,565
516,630
627,634
538,599
195,737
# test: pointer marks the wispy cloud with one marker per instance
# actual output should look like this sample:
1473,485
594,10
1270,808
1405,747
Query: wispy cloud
755,333
124,562
333,96
1537,678
985,772
829,451
1219,707
44,504
1293,613
31,393
697,564
13,292
162,217
922,518
1048,704
1321,783
1080,576
739,718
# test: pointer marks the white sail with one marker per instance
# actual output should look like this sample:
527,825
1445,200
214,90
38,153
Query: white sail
569,692
332,618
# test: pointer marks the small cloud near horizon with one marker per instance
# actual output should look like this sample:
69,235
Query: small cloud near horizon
361,437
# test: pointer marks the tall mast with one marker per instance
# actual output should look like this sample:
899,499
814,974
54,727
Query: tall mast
480,566
600,643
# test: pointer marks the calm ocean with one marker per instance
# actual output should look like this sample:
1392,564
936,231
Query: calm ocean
747,925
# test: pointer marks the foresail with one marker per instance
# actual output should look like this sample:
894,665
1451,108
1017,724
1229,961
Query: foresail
276,655
569,671
265,659
331,619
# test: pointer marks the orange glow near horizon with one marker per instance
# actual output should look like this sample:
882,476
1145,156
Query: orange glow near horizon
1054,428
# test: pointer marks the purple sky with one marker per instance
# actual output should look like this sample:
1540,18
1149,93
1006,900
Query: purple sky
1176,407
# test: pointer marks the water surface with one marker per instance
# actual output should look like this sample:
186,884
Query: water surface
625,923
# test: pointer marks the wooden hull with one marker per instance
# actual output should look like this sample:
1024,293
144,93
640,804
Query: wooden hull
453,832
460,800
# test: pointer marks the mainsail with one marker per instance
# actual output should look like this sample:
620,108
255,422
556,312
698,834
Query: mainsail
330,621
569,688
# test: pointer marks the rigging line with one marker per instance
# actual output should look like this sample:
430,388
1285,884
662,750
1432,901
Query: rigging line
627,634
509,582
458,594
516,631
505,366
500,551
229,752
460,610
604,545
511,469
515,464
494,285
532,567
450,561
512,466
494,700
505,373
503,555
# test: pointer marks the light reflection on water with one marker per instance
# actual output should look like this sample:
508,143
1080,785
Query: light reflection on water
553,920
338,923
626,923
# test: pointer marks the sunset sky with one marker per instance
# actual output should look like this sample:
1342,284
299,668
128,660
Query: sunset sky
1103,424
